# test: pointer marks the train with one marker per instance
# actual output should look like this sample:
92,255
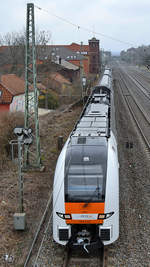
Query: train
86,180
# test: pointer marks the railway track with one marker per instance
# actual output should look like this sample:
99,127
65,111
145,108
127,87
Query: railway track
39,237
140,117
144,76
139,89
139,84
82,259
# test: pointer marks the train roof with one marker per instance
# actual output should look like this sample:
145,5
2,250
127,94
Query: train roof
88,141
94,122
95,118
108,72
106,81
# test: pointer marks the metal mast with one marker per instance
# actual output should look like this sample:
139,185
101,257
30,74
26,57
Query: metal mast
32,154
81,69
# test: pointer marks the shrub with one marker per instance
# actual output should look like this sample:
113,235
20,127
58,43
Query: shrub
52,101
8,121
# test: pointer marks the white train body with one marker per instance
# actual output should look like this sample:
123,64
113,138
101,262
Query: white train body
86,182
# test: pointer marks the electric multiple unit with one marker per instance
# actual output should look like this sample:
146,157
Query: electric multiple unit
86,182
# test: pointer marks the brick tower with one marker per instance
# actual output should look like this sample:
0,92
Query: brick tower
94,54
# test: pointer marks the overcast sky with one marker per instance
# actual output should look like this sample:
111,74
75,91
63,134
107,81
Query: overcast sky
125,20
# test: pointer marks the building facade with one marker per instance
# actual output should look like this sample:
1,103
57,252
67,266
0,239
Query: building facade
12,93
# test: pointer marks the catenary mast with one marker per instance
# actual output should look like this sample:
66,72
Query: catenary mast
32,153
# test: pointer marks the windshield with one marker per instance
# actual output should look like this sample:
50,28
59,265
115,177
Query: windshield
86,174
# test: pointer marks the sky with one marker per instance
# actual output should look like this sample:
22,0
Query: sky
118,24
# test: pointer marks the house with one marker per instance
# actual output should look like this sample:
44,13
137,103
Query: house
56,52
77,54
91,52
68,70
82,50
59,83
87,56
5,98
74,53
12,93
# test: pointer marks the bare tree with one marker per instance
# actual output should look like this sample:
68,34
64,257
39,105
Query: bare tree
1,40
15,45
42,39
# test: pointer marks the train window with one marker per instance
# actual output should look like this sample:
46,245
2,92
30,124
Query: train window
85,188
85,179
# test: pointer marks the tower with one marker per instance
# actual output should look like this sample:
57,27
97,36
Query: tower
94,53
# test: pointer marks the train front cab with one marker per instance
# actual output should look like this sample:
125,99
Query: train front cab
87,222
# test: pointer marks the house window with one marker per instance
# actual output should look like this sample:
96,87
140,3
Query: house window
0,93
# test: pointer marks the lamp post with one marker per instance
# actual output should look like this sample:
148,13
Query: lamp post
83,87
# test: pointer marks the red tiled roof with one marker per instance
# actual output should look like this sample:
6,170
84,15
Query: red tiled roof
13,84
59,78
6,96
77,47
73,47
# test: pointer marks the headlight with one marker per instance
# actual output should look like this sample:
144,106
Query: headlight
67,216
105,216
101,216
64,216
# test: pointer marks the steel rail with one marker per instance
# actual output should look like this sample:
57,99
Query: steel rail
38,230
100,259
135,80
105,257
143,76
136,102
132,112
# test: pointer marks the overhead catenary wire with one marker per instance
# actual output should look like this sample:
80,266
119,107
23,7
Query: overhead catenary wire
79,27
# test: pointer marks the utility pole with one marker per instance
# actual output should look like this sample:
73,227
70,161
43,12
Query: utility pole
32,153
81,69
82,75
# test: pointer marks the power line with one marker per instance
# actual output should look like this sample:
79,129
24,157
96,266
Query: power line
84,28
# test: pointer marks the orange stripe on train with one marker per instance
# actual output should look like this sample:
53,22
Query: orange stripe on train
84,208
